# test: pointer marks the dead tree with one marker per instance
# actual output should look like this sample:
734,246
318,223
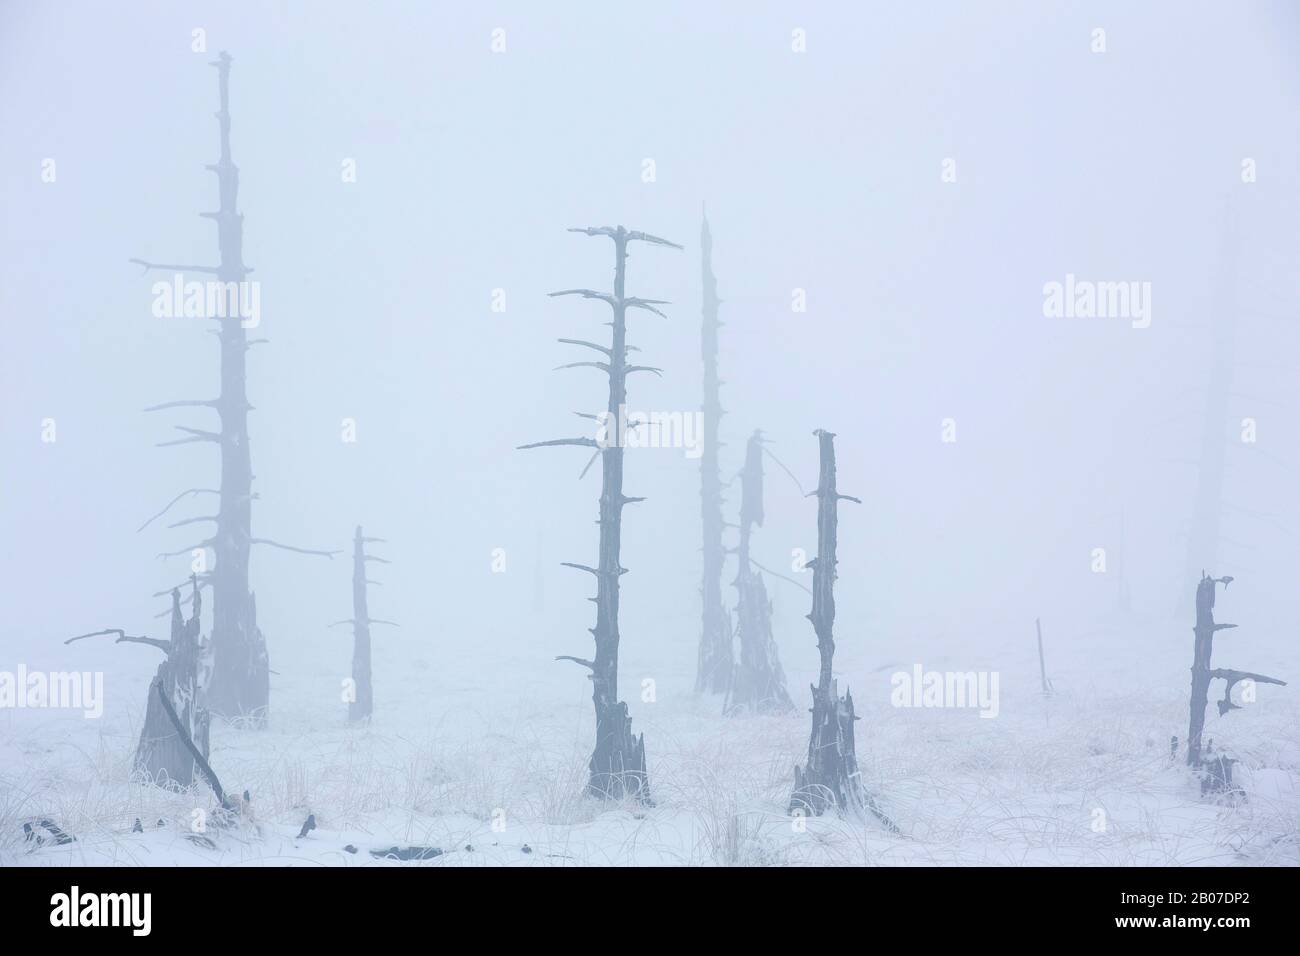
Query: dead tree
163,756
1042,664
758,682
618,764
830,779
362,701
1204,538
1219,770
240,679
715,664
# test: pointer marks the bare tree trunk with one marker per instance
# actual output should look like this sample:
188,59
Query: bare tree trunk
361,702
1202,674
1203,537
362,707
1042,664
830,779
240,686
618,765
759,681
241,680
715,658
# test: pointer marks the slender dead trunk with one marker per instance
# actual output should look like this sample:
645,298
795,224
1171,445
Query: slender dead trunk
241,668
1042,664
240,687
361,699
759,681
618,765
1202,674
715,665
363,705
830,779
1204,535
240,679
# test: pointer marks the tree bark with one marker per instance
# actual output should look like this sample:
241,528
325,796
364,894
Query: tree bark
618,765
758,683
1204,535
714,669
363,706
1202,674
161,754
830,778
1042,664
241,676
240,687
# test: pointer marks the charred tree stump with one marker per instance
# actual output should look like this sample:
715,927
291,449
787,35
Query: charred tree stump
758,682
362,701
830,780
715,666
618,764
241,667
1202,674
163,755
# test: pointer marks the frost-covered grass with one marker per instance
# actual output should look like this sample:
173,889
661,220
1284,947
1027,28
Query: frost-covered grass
1081,779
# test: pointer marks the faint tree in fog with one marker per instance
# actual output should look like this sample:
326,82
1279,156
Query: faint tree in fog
714,668
758,683
362,703
618,765
240,678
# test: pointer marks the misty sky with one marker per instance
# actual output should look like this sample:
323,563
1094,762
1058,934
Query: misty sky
821,171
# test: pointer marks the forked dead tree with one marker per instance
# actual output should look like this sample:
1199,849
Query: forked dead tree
830,779
715,666
240,680
162,755
1220,773
758,683
362,699
618,764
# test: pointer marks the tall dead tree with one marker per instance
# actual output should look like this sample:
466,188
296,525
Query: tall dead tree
758,683
830,779
1042,663
162,755
618,764
1202,674
1205,534
362,700
240,679
714,670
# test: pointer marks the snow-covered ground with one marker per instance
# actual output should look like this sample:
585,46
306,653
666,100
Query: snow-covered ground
492,771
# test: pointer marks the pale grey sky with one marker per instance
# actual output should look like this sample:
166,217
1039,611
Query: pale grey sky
821,171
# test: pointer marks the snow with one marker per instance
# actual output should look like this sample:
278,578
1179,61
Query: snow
492,771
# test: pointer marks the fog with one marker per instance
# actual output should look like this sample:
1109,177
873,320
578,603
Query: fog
827,170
